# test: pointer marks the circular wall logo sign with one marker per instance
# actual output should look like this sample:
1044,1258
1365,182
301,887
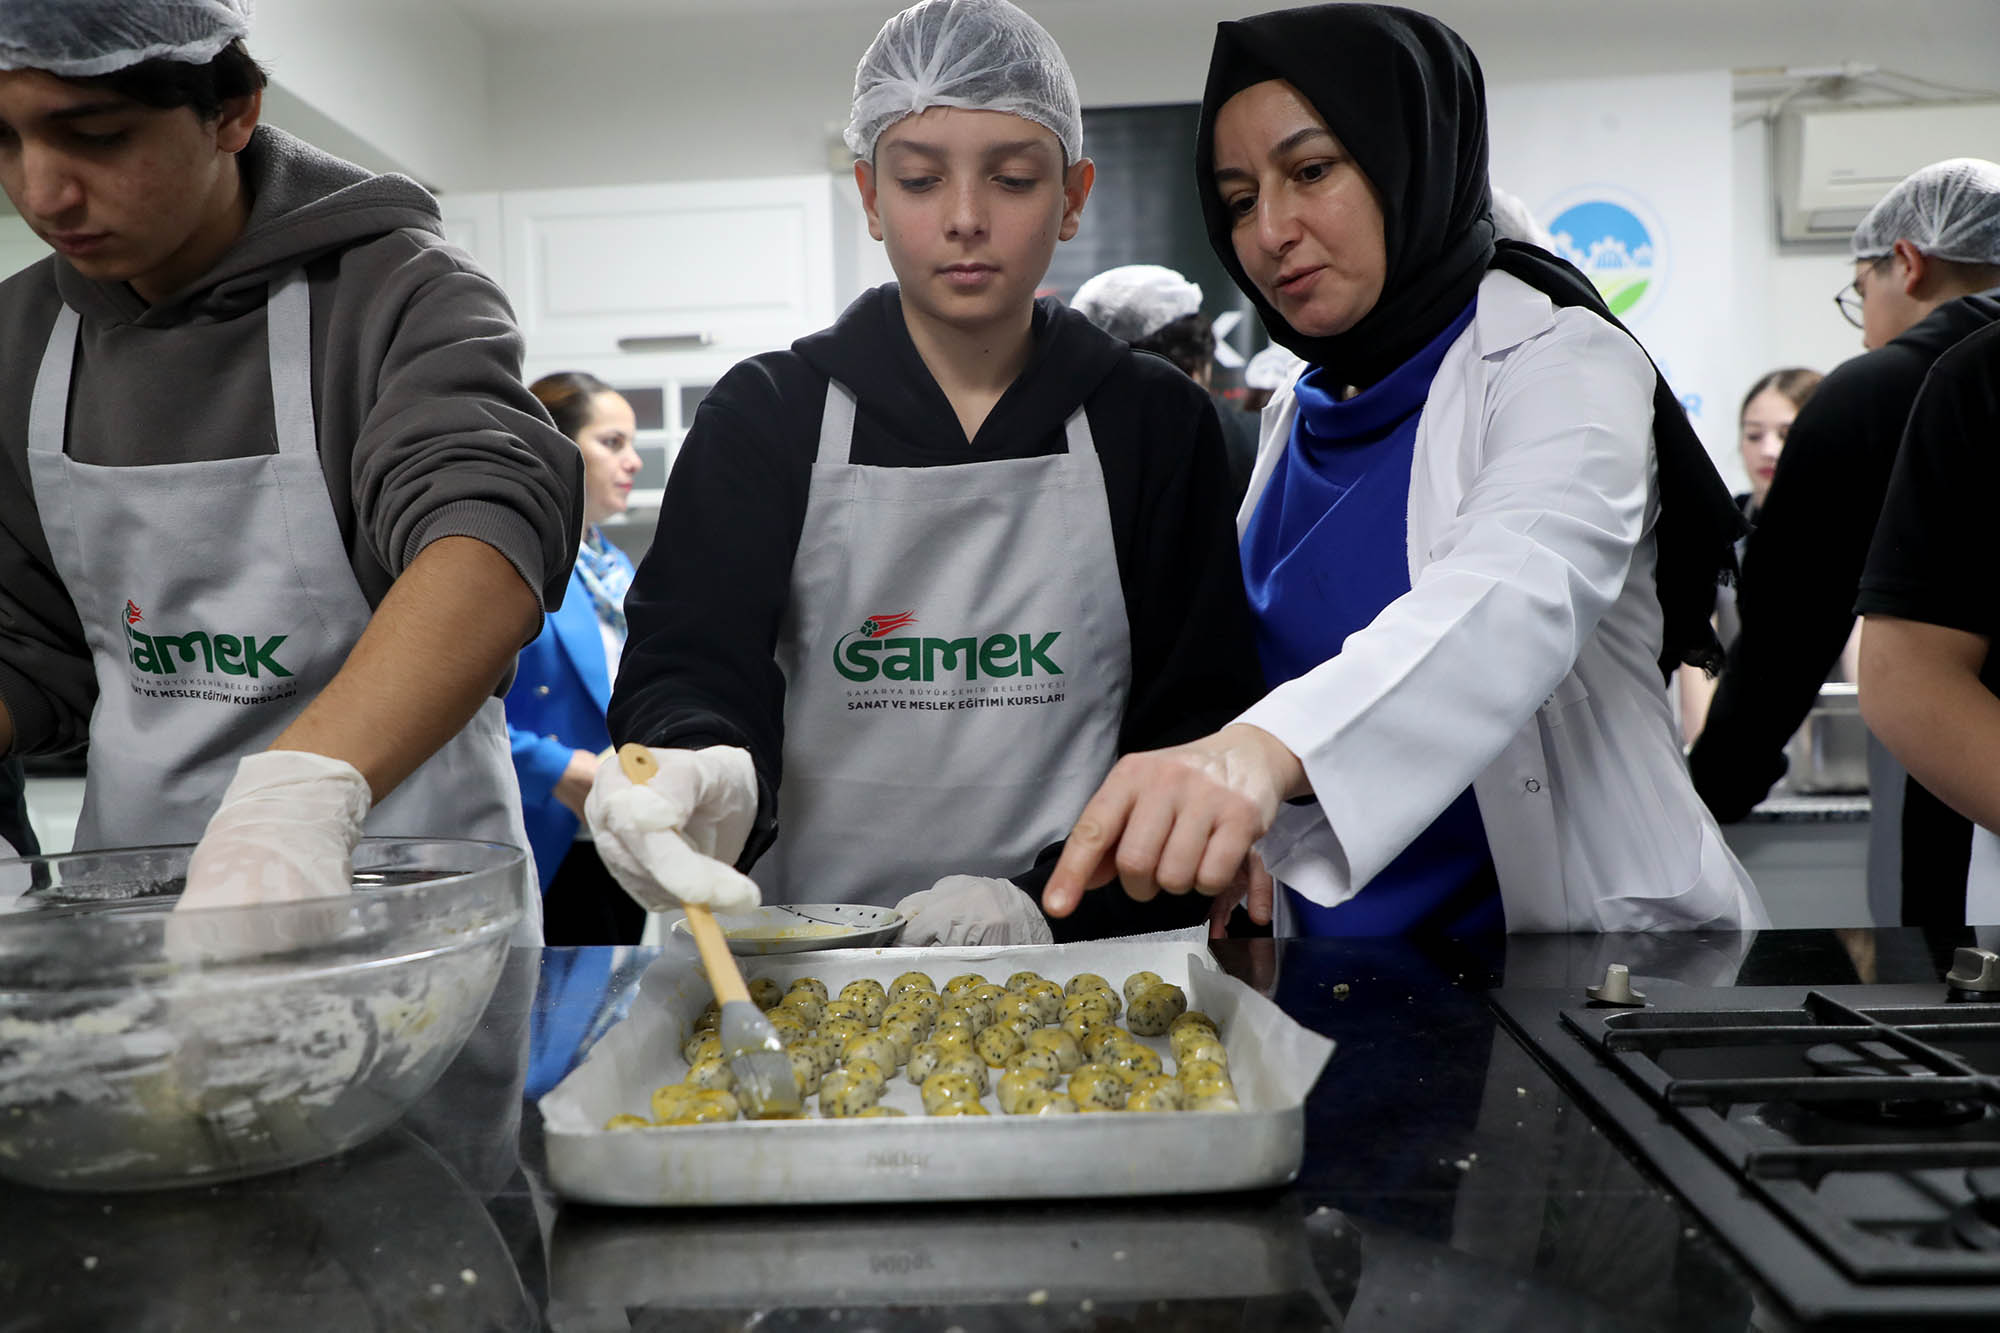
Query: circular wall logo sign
1615,244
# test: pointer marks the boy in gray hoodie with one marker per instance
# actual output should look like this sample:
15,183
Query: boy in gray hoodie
276,512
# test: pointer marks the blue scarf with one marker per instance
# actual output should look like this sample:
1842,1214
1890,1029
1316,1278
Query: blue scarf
607,573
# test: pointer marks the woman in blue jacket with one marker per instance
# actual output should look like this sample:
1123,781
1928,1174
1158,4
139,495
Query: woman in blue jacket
555,710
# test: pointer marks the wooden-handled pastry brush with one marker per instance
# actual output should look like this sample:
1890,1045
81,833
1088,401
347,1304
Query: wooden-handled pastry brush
765,1087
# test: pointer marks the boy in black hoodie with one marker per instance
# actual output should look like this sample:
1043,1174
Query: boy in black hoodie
922,578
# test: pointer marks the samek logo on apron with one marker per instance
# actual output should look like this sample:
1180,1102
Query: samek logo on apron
230,661
910,657
965,748
870,654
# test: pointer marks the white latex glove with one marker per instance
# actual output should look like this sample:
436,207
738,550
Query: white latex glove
971,910
284,832
677,837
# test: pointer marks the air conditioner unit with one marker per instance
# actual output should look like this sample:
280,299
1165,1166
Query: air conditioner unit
1832,166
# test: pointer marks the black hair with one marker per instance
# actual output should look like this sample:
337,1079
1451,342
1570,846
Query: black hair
569,394
1968,276
1188,342
168,85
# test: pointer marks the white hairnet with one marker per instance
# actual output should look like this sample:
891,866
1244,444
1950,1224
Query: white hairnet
1136,301
1948,210
1271,368
1514,221
81,39
981,55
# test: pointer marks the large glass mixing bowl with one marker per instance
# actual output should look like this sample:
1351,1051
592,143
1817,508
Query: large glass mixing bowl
140,1049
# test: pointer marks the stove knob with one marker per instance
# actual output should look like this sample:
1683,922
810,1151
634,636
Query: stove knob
1975,971
1616,989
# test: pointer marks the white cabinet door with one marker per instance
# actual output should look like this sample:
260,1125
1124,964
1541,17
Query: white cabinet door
472,223
19,247
742,265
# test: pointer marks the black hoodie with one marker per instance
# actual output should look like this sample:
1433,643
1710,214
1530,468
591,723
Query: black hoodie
705,607
1801,571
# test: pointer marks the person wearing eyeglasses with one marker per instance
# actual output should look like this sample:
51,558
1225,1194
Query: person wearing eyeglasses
1926,276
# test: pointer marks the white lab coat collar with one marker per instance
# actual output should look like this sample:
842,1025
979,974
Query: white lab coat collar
1510,312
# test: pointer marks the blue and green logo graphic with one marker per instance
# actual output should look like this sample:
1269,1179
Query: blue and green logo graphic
1615,249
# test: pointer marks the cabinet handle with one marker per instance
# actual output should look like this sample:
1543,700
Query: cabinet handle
666,342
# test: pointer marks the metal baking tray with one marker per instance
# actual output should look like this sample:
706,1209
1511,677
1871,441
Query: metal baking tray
1274,1063
1056,1256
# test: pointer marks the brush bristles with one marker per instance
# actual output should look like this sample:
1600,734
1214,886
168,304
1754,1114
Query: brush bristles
765,1085
764,1082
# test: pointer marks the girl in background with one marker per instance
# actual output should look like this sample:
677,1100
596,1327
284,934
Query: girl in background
1766,418
555,710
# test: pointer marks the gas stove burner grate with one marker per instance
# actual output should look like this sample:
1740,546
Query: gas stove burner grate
1857,1066
1871,1059
1857,1123
1976,1226
1846,1143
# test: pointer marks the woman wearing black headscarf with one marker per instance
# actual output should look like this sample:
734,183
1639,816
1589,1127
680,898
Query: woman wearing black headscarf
1479,530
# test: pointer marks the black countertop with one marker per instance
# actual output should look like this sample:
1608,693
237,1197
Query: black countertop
1448,1184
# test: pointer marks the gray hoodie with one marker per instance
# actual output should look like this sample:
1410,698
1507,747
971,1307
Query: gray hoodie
425,429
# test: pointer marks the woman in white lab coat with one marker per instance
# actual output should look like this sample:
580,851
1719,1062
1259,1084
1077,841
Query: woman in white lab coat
1479,529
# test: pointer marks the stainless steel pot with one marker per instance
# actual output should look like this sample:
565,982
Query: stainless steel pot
1829,752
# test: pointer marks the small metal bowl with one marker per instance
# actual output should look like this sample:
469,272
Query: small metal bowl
126,1063
803,928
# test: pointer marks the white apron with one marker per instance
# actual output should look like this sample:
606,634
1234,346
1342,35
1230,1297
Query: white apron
217,600
956,660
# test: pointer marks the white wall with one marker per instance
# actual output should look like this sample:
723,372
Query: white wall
765,94
1759,305
697,99
1779,310
691,98
407,78
418,87
1658,146
291,113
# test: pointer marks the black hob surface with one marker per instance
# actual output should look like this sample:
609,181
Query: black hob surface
1844,1140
